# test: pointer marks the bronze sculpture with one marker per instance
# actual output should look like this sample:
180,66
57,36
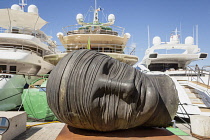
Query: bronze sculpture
90,90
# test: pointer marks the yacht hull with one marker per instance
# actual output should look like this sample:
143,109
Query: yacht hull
29,62
125,58
20,39
94,39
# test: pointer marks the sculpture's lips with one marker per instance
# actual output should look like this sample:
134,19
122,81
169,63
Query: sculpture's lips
90,90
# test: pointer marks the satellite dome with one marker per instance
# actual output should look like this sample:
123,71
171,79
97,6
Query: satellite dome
189,40
128,35
156,40
32,9
15,7
79,18
59,34
111,18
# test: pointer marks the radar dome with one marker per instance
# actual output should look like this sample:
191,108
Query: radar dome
156,40
15,7
59,34
128,35
189,40
33,9
111,18
79,18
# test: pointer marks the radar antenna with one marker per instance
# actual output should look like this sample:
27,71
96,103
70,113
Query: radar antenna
22,4
176,32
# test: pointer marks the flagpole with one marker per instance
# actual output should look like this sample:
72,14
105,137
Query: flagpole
95,18
95,4
23,4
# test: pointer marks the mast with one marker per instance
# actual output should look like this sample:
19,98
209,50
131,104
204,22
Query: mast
95,18
176,32
148,37
193,32
196,34
175,38
22,4
95,4
180,33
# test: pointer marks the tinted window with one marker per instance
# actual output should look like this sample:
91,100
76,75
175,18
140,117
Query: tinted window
13,69
3,68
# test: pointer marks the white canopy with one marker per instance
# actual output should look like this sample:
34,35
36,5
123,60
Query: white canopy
15,18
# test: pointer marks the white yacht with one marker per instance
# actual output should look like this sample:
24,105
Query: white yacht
192,83
162,61
101,37
22,48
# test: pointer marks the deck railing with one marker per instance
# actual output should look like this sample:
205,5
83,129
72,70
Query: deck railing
93,29
108,48
22,30
27,31
194,73
16,48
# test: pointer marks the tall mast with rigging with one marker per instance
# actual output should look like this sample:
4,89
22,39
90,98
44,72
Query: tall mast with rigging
95,18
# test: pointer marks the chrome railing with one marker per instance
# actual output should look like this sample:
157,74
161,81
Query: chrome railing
206,72
36,33
27,31
194,73
108,48
93,29
16,48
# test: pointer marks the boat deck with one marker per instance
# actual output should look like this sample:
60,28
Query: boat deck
201,84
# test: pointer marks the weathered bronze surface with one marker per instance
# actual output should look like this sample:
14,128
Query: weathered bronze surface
90,90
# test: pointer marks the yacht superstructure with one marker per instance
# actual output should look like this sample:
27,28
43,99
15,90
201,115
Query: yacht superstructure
194,98
22,48
163,61
101,37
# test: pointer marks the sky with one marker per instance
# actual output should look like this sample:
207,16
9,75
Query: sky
162,16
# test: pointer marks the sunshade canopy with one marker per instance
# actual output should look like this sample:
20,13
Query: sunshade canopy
15,18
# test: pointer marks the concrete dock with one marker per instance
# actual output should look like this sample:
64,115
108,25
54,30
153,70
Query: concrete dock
41,132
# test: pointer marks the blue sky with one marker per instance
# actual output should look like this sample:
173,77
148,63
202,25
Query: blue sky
162,16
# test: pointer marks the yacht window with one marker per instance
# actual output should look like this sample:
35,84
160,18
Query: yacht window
170,51
15,30
13,69
162,66
3,68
